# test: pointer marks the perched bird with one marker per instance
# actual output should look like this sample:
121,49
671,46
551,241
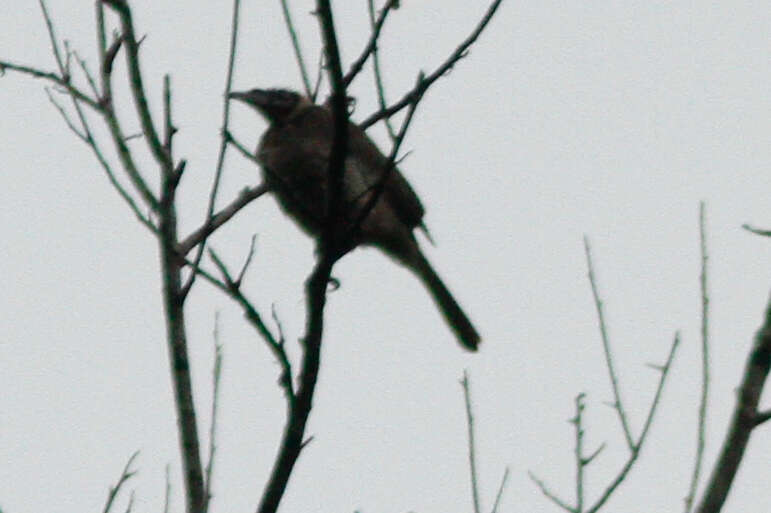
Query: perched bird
294,154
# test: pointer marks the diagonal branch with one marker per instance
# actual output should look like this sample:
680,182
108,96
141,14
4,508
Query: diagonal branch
370,46
637,447
460,52
618,404
223,148
246,196
744,420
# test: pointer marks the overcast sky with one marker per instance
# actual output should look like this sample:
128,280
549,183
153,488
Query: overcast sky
610,119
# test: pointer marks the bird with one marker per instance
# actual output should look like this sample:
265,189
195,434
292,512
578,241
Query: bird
294,155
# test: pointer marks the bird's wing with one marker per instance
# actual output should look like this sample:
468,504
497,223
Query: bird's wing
397,193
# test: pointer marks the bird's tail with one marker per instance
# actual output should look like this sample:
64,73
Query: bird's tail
451,310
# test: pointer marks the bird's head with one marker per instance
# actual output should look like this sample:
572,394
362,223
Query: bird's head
275,104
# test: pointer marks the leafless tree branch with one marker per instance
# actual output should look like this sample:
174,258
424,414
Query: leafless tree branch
125,475
296,46
460,52
369,48
700,435
471,444
618,404
744,420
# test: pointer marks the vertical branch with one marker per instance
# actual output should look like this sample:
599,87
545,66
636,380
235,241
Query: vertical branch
296,46
292,441
171,264
216,376
578,423
471,444
339,106
700,441
377,74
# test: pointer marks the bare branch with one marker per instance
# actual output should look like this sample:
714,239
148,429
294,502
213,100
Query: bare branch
377,74
757,231
53,77
549,494
246,196
339,105
296,46
619,406
248,260
370,46
66,117
231,288
501,488
579,448
637,447
125,475
223,145
167,490
700,435
471,445
293,441
137,85
106,57
743,421
460,52
377,189
216,375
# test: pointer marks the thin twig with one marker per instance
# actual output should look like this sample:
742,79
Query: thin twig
296,46
125,475
369,48
247,261
223,146
231,288
66,117
471,444
137,86
579,448
549,494
757,231
53,77
167,490
216,375
378,188
378,75
618,404
106,108
246,196
637,447
501,488
460,52
700,433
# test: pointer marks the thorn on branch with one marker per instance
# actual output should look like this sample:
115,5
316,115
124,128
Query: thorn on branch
179,170
762,417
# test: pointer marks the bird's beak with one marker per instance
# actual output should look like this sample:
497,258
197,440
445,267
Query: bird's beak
253,97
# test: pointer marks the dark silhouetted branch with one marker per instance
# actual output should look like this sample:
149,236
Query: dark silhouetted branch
460,52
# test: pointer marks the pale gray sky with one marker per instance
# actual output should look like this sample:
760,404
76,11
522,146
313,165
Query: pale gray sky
611,119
